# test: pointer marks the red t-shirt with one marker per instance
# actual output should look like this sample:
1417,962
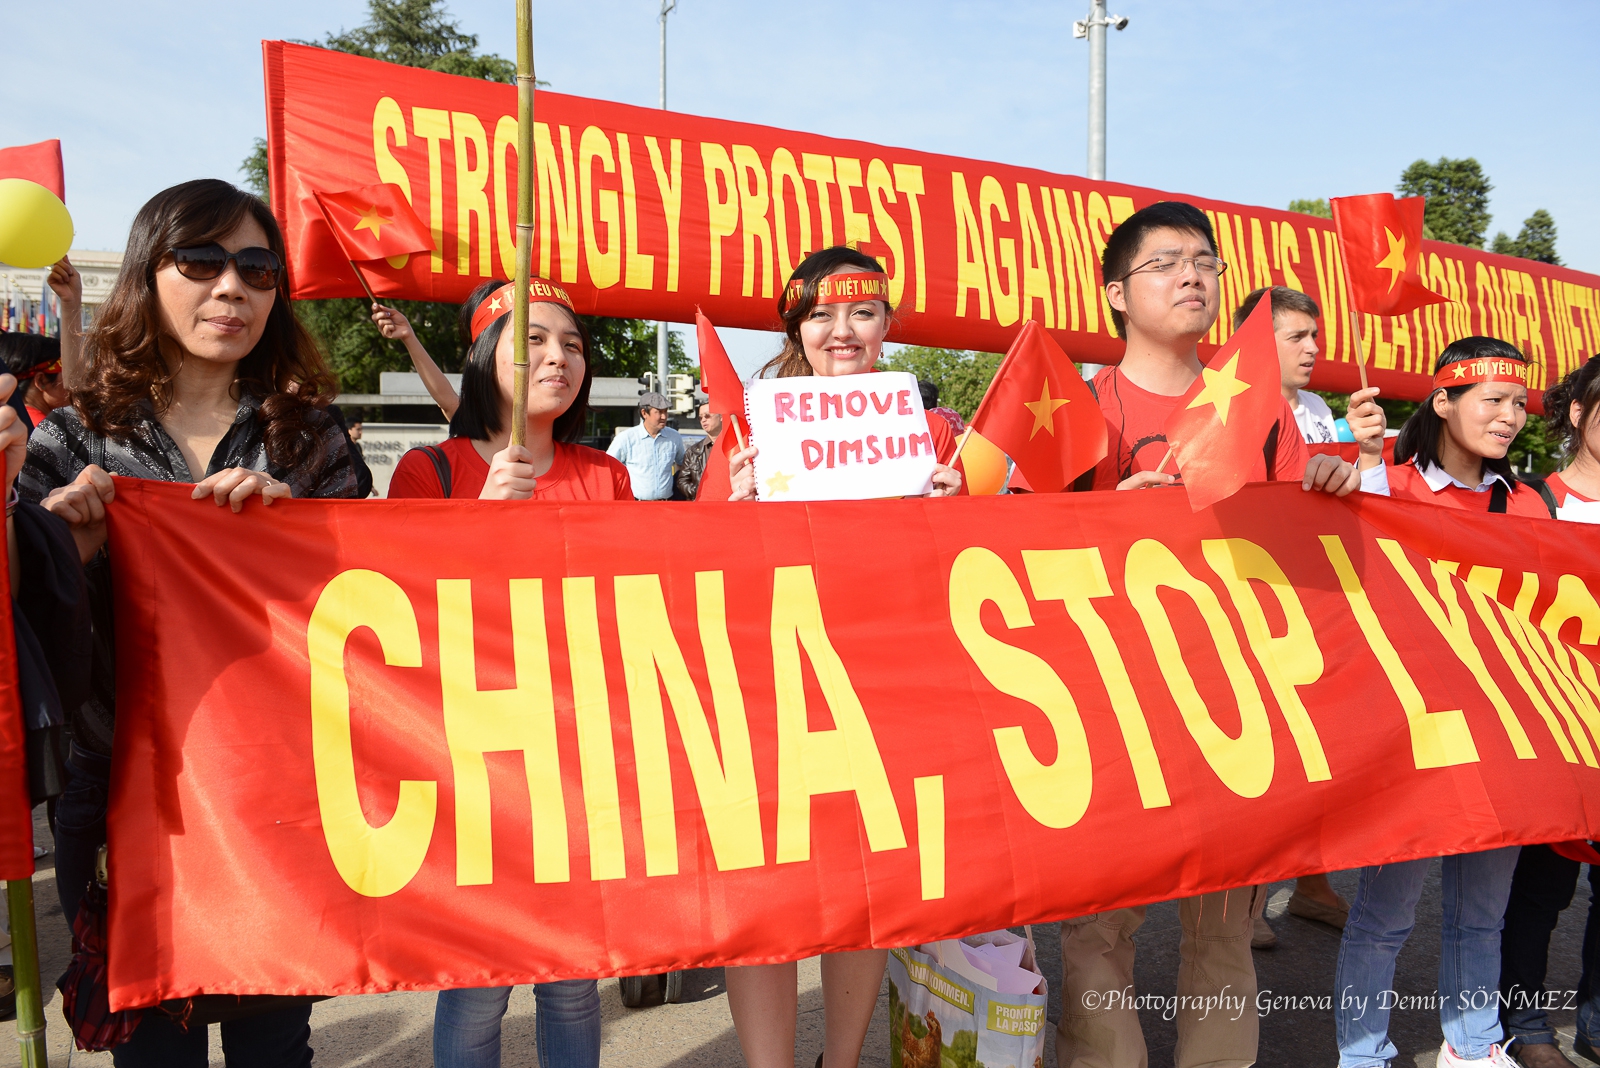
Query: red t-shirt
579,473
1559,487
1135,440
1406,481
714,484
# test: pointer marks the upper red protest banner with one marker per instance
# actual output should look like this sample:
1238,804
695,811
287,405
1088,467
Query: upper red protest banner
413,759
646,213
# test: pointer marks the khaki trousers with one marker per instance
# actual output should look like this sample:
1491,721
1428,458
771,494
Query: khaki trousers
1216,1012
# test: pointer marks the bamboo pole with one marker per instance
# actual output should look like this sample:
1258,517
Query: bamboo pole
25,968
525,177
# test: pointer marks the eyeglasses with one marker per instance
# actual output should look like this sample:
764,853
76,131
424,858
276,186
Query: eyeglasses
1208,266
259,268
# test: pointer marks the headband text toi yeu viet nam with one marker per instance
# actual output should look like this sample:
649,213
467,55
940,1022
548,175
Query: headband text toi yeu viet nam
1487,369
502,300
843,288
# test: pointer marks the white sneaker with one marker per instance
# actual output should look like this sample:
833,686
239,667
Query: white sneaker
1497,1058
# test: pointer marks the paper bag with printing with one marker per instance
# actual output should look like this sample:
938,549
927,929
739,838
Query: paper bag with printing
965,1003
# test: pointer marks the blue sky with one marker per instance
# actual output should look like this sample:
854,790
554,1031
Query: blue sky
1254,102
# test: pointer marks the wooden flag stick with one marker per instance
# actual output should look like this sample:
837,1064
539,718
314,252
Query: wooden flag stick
363,280
25,962
525,169
738,434
1162,466
961,443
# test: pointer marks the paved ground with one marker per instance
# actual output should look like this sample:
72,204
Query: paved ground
395,1029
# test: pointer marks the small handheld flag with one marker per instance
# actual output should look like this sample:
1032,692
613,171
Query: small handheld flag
374,221
719,379
1039,412
1220,424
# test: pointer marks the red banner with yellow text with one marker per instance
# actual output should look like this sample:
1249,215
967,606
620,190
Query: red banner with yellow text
646,213
463,744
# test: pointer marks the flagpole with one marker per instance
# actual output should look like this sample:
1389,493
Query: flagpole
25,964
525,177
961,443
1162,466
363,280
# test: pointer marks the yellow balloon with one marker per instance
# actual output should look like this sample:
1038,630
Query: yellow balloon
35,227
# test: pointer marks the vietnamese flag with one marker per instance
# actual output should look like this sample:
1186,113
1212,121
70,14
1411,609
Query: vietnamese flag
16,814
373,222
1380,238
1220,424
1039,412
39,163
721,383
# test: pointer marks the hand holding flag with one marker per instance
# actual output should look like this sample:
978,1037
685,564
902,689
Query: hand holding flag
1217,431
1039,412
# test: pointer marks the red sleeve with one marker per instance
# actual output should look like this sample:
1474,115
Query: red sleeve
414,476
1292,452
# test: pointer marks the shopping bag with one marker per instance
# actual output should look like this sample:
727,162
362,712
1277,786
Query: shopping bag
946,1009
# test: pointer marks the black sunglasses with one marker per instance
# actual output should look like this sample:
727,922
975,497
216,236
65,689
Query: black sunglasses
259,268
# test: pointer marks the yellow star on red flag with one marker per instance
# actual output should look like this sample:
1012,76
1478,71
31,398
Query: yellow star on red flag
1395,261
373,220
1220,388
1044,410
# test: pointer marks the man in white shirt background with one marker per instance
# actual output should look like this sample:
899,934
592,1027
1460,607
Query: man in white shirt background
1294,321
652,450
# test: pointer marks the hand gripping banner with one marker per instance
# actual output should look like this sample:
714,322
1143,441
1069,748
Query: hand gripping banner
646,213
400,745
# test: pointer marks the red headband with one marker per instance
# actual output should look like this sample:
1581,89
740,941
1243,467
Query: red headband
501,301
51,368
845,288
1488,369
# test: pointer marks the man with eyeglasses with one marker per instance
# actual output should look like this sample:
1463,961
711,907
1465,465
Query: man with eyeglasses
1161,273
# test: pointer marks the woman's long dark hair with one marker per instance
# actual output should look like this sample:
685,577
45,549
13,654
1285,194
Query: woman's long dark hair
125,367
1423,433
1580,387
812,270
478,415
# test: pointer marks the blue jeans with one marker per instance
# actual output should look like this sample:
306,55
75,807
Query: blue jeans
1541,888
466,1025
1476,886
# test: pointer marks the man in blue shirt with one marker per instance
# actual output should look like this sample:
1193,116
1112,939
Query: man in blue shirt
652,450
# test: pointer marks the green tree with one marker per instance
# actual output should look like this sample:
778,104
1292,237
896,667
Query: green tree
1536,240
1318,207
1458,198
962,376
626,348
420,33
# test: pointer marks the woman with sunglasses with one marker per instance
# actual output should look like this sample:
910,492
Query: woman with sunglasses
829,331
478,462
196,371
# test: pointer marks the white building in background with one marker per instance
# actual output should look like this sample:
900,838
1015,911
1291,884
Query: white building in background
99,270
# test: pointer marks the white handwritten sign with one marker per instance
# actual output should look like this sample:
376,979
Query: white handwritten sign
851,438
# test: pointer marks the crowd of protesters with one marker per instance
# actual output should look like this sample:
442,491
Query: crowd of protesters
196,371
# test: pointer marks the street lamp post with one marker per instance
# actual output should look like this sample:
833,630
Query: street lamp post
1094,28
667,6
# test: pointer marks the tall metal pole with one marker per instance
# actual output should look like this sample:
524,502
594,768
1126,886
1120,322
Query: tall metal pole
661,328
525,177
1094,28
1097,91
